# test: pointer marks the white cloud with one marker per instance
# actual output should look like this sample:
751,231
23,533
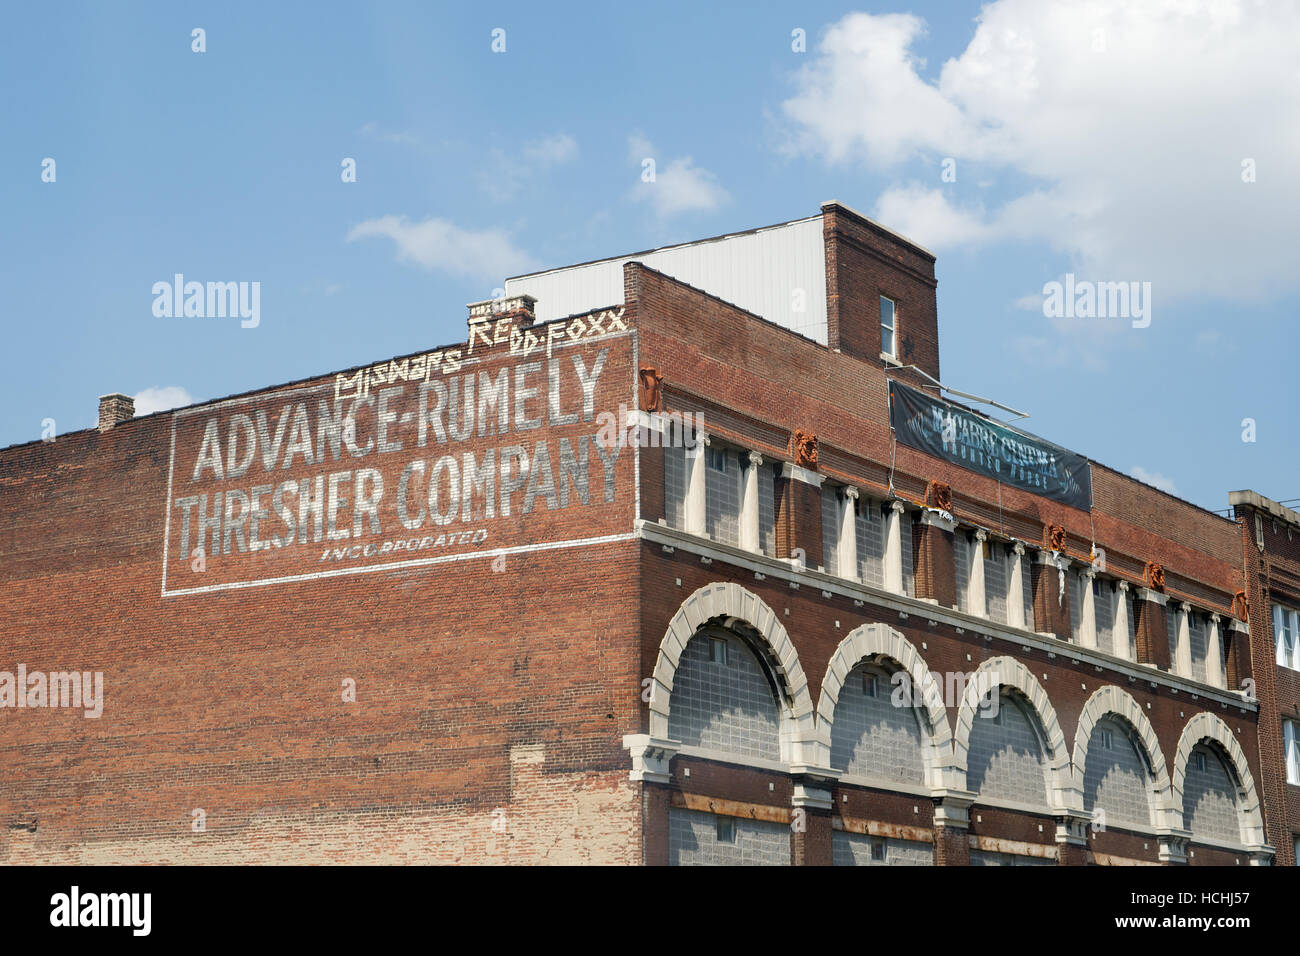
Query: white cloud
1125,124
915,211
1154,479
159,398
397,137
505,174
436,244
679,185
552,150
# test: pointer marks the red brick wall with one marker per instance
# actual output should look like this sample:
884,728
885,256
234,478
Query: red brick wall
490,704
864,262
1273,577
761,382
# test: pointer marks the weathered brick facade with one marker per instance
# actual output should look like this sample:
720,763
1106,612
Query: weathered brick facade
514,682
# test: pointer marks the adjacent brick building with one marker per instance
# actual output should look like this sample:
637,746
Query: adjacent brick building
1271,539
462,606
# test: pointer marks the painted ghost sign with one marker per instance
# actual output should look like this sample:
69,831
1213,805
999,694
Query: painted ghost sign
491,452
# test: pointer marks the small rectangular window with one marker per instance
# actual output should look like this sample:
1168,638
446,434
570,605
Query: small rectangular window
726,830
878,851
888,327
869,685
717,458
1199,761
1108,740
717,650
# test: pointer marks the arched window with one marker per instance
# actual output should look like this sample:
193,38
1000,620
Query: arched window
1210,797
1006,758
724,698
1116,775
870,736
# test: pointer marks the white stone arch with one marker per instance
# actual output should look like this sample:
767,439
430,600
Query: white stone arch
1112,701
1205,727
729,605
993,675
877,639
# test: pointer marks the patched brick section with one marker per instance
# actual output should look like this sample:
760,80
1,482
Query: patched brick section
562,819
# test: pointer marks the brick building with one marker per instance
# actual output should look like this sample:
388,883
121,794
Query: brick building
1271,539
640,572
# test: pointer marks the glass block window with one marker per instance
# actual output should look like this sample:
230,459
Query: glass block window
1115,776
909,571
696,838
1103,600
1210,798
1132,626
1075,582
869,527
872,737
675,487
1005,758
722,495
1200,644
859,849
961,547
988,858
995,580
767,509
831,529
1027,590
723,700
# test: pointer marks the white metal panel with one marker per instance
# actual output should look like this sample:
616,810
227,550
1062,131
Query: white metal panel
770,272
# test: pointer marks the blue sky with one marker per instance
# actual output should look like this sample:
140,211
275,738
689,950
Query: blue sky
1105,144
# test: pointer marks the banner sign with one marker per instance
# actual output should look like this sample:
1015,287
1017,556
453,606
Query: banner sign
954,434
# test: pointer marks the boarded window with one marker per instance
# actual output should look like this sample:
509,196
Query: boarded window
1005,758
696,838
1104,604
831,529
872,737
869,525
961,568
675,487
1115,777
1210,798
726,704
859,849
995,581
767,509
722,495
